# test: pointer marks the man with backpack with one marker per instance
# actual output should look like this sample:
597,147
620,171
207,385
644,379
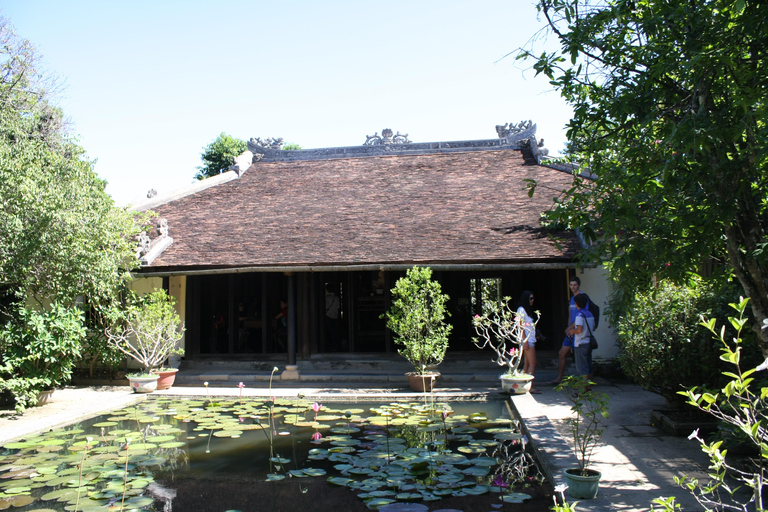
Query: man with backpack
575,285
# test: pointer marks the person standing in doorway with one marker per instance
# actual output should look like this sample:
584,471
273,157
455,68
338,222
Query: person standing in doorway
281,325
332,306
526,314
575,285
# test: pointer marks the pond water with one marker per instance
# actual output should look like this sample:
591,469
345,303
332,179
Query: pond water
282,454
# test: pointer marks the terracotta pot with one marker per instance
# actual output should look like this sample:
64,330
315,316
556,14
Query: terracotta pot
167,378
422,381
516,384
143,384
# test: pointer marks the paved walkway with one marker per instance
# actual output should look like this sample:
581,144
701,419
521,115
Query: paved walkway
637,461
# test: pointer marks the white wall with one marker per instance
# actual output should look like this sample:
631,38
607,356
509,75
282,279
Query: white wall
596,283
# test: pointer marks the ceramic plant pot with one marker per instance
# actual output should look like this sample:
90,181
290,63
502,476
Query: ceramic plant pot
143,384
582,487
516,384
167,378
43,397
422,381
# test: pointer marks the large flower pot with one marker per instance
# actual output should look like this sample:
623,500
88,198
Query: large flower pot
43,397
422,381
582,487
516,384
144,384
167,378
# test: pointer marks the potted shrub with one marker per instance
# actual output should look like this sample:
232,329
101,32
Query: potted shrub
590,408
417,318
151,333
502,329
38,350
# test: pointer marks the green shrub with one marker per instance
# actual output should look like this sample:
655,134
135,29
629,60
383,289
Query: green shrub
664,348
39,350
417,317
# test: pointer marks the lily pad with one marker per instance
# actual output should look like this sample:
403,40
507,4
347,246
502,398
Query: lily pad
337,480
515,497
377,503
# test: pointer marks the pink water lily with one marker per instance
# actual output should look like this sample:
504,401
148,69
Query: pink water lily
316,406
241,385
317,436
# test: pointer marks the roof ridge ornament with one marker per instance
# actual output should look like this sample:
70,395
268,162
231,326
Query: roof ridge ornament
386,138
257,144
510,130
148,248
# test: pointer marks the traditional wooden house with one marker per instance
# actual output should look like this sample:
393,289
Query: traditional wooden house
328,231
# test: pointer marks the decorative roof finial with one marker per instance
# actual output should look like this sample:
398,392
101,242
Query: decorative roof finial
386,138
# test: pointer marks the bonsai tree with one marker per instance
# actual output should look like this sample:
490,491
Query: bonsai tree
151,330
417,317
586,425
502,329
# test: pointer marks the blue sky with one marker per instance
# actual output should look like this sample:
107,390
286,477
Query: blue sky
148,84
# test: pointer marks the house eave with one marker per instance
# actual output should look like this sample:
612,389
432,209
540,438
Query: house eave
393,267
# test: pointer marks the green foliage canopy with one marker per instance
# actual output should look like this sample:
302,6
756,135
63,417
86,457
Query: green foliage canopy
670,119
218,155
60,234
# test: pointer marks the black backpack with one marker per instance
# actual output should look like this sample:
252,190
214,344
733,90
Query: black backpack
594,309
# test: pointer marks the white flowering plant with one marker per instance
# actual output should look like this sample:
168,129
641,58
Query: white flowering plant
503,330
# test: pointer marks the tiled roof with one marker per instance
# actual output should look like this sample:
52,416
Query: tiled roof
442,208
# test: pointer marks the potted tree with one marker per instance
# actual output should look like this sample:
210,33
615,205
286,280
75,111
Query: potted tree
503,330
38,349
590,408
417,317
151,332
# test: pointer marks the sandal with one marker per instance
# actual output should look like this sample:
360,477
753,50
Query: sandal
534,391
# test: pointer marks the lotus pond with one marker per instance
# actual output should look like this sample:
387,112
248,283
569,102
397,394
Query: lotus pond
281,454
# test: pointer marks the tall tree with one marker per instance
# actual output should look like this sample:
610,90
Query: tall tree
61,236
60,233
669,100
217,156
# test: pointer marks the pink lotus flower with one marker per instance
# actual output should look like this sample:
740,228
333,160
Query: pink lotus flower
316,406
241,385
